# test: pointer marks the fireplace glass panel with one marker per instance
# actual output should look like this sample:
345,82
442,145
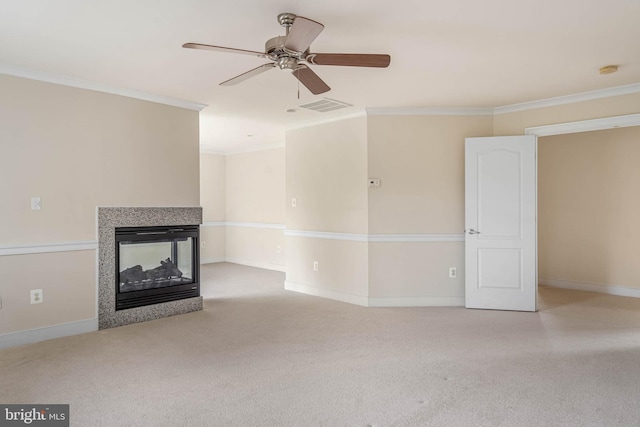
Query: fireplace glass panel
157,264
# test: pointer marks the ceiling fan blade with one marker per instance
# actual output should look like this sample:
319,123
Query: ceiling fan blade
302,33
310,80
251,73
350,59
223,49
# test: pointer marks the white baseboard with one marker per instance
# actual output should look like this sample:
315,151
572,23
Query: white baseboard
326,293
265,265
376,302
47,333
212,260
591,287
417,302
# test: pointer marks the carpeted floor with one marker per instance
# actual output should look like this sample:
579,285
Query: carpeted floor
261,356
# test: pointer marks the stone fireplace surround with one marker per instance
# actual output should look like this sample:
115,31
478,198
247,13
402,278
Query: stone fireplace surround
108,219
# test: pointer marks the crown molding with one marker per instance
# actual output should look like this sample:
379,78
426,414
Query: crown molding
511,108
569,99
42,76
585,125
483,111
332,119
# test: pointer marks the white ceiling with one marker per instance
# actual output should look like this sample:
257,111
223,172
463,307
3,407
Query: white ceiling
456,53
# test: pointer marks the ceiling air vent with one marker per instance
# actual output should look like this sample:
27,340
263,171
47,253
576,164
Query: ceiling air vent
325,105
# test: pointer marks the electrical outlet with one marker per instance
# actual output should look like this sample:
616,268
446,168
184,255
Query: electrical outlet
36,296
294,202
374,182
315,266
278,249
203,244
452,273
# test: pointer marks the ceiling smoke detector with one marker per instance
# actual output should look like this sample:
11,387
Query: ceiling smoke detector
608,69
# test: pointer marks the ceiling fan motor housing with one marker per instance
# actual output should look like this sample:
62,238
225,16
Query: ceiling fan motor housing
274,47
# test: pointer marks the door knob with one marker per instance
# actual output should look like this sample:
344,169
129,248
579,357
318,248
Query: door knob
472,231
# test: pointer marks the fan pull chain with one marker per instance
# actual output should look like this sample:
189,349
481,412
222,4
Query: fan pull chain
298,89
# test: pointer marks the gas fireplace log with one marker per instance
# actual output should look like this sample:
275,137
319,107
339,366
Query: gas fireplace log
165,270
132,274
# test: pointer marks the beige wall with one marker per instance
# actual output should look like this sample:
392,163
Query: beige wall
213,202
255,186
420,161
589,207
78,149
591,257
243,197
327,174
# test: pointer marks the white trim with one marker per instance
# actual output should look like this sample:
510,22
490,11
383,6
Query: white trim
42,76
376,237
569,99
591,287
243,224
327,235
416,238
375,302
483,111
417,302
354,237
585,125
41,248
212,260
326,293
254,225
49,332
265,265
214,224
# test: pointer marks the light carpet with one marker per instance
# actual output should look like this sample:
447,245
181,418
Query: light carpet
262,356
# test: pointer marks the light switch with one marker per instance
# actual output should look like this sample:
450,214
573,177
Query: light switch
36,204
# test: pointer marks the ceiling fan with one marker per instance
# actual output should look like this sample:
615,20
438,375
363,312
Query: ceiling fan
291,52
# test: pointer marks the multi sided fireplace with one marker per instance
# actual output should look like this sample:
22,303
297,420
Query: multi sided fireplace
156,265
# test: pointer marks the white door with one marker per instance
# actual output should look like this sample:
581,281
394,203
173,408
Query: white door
501,270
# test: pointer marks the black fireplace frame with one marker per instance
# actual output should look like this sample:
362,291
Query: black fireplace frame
140,298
